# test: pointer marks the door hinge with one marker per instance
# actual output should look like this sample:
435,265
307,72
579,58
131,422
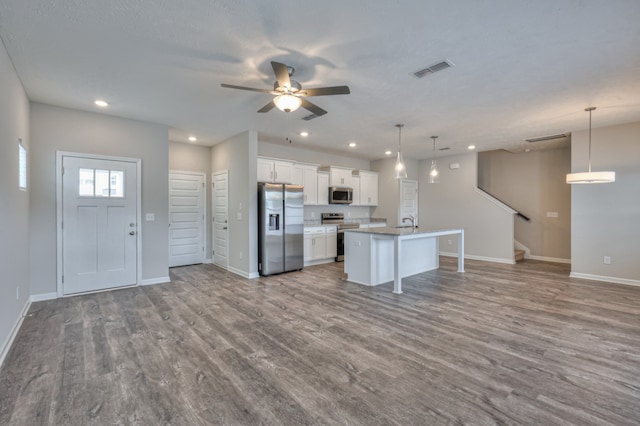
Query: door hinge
203,184
63,279
62,224
63,170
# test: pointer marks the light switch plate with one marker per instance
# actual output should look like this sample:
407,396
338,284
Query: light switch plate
150,217
239,216
552,214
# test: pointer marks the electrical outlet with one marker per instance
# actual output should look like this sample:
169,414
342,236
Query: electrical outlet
313,215
240,255
17,293
449,242
607,260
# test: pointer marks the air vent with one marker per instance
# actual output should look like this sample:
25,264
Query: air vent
444,149
310,117
443,65
547,138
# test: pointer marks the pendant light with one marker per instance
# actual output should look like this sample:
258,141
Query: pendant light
434,173
591,177
400,169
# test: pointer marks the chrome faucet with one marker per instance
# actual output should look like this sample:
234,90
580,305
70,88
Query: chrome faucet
412,219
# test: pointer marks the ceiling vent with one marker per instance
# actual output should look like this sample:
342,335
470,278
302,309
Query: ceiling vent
547,138
444,149
442,65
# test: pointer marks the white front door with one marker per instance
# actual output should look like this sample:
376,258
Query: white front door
186,218
220,219
99,224
408,200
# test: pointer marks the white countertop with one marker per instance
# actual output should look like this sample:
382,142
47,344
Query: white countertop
402,231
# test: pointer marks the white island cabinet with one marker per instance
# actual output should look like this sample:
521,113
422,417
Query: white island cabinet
378,255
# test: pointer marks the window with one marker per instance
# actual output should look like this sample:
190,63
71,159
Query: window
101,183
22,166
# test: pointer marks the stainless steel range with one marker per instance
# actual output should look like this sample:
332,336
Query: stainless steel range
338,219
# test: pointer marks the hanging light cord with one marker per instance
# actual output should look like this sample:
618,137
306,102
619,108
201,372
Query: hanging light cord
399,137
590,109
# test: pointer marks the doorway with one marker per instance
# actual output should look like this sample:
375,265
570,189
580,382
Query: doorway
408,200
99,203
186,218
221,218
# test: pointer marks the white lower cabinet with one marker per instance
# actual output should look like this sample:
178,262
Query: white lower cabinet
320,243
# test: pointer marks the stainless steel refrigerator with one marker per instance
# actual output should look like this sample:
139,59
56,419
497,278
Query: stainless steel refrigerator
280,228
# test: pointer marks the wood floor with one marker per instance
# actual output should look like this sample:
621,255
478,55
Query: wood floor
499,344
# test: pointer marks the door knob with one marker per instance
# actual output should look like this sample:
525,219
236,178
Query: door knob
132,232
132,224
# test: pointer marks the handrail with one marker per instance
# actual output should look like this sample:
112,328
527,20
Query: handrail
515,211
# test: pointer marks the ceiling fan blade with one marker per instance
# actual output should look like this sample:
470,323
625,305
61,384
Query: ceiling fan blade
282,74
322,91
231,86
312,107
268,107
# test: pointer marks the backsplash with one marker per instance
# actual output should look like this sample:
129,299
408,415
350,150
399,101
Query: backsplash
312,213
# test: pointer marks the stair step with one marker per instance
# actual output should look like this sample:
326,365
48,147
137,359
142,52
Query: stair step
518,255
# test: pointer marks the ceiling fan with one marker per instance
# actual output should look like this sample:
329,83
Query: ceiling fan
289,94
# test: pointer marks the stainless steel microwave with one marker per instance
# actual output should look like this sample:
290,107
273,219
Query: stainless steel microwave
340,195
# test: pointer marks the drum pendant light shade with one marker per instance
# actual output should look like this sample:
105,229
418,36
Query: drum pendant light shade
400,171
589,176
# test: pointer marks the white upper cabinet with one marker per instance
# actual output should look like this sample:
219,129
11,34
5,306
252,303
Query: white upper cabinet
306,175
368,194
323,188
276,171
339,176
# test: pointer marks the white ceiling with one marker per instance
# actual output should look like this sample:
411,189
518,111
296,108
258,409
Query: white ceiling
522,68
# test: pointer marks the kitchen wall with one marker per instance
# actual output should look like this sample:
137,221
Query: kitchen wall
453,203
238,155
14,207
186,157
534,184
389,187
606,217
61,129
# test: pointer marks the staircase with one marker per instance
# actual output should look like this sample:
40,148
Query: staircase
518,255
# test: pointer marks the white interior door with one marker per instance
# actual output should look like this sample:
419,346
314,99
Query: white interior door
221,219
186,218
408,200
99,224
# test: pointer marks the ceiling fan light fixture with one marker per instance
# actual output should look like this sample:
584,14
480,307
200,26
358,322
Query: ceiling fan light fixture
287,103
589,176
400,170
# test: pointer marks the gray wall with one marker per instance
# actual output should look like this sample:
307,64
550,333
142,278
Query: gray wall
60,129
389,188
534,184
454,203
14,207
295,152
606,217
195,158
239,156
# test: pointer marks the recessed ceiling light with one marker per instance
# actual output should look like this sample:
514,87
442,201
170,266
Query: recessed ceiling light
304,134
352,144
192,138
387,152
101,103
471,147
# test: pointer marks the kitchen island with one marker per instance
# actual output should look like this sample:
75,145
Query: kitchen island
379,255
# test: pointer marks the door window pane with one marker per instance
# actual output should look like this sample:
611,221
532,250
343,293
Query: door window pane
101,183
117,183
22,166
86,183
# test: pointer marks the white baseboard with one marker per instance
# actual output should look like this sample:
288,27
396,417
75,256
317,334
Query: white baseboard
43,296
318,262
547,259
482,258
14,332
159,280
614,280
207,261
